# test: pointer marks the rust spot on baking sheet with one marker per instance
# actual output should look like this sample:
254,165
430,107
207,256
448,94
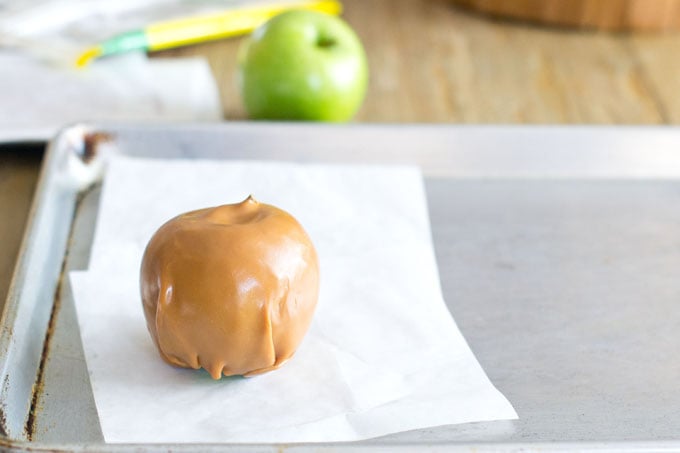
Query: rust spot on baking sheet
38,386
10,334
3,408
3,422
91,142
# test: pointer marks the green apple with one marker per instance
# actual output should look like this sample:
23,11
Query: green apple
303,65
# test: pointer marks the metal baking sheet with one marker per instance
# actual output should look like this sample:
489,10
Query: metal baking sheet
558,250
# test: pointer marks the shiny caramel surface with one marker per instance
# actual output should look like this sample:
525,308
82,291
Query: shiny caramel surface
231,289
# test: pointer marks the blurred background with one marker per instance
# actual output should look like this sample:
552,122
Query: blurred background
613,62
440,61
449,61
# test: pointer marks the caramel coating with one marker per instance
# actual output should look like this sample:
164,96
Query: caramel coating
231,289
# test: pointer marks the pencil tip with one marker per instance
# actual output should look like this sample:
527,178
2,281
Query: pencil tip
87,56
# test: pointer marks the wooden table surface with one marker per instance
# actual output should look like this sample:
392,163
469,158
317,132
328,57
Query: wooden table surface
433,62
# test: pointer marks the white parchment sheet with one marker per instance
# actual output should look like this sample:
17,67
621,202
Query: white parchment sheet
383,354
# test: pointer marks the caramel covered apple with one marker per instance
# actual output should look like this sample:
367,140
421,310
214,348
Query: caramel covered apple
231,289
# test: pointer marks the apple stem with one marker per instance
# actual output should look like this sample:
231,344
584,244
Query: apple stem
324,41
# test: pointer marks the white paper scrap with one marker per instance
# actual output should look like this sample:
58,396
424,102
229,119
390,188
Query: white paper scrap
38,99
383,354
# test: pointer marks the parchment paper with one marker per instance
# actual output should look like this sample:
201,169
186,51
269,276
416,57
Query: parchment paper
383,353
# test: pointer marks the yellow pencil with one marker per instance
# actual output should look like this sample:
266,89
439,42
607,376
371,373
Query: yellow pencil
182,32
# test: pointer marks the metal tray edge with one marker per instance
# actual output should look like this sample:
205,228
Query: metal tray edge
30,302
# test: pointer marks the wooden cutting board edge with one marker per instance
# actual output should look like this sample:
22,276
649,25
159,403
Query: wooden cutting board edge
612,15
